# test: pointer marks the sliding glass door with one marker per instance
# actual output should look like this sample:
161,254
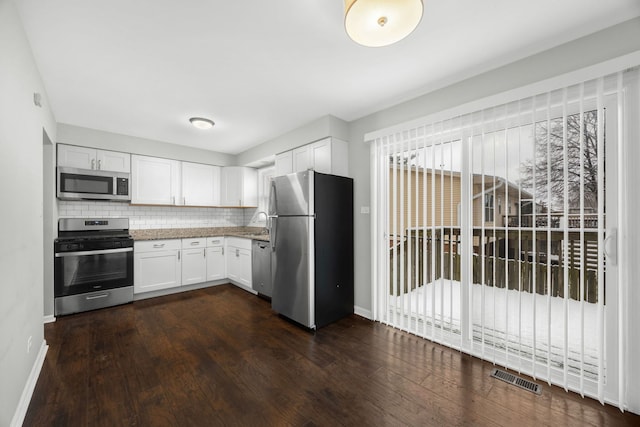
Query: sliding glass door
543,210
496,232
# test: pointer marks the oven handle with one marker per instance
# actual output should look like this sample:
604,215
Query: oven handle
98,252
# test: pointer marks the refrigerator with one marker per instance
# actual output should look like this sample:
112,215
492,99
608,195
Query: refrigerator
311,233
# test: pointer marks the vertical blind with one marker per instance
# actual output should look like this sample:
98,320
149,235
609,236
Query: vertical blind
495,233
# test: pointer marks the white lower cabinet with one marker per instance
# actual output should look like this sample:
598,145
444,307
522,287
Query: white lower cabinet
216,265
238,255
164,264
156,265
194,262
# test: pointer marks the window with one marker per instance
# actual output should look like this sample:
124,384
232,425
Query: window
265,175
488,207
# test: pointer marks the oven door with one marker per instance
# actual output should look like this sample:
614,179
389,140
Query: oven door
87,271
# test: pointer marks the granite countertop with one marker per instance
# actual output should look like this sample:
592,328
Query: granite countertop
254,233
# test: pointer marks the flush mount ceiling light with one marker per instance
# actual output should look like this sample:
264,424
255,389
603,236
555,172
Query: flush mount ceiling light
376,23
201,123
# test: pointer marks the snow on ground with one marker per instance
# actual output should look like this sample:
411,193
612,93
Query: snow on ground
510,314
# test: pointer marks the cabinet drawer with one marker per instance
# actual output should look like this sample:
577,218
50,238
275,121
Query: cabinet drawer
215,241
199,242
156,245
239,242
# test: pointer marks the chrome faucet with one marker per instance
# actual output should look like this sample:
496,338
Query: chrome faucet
266,220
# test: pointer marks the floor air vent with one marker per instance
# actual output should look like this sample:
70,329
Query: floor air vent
517,381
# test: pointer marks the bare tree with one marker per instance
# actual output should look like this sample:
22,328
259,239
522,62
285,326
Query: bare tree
545,173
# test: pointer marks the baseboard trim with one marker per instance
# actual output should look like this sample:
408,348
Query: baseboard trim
177,290
29,387
49,319
362,312
243,287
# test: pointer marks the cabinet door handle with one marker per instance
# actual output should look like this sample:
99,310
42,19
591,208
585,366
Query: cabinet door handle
223,250
237,252
99,164
93,163
178,255
158,245
204,253
195,243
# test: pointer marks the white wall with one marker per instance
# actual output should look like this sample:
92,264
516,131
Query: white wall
50,223
629,246
21,265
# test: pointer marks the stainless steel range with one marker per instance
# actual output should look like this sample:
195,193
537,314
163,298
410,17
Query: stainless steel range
93,265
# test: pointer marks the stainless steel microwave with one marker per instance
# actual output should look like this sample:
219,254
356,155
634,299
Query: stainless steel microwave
87,184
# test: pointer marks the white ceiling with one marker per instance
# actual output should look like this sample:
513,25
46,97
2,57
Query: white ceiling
260,68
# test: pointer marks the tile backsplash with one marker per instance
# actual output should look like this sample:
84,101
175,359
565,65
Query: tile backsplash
145,217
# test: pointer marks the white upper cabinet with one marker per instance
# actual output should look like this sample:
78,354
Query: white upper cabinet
239,186
284,163
155,181
91,158
302,159
200,184
76,157
113,161
328,155
322,155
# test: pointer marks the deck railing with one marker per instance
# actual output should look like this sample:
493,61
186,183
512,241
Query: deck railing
553,220
512,265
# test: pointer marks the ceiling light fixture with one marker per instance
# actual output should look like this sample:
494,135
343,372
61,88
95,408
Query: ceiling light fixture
376,23
201,123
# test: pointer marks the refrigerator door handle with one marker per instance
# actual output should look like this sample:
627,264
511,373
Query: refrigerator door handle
273,231
271,210
272,215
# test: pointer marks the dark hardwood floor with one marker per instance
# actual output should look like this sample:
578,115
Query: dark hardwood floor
220,356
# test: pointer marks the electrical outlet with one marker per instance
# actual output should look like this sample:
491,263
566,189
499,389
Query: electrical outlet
29,345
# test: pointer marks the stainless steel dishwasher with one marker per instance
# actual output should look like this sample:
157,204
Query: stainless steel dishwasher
261,267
